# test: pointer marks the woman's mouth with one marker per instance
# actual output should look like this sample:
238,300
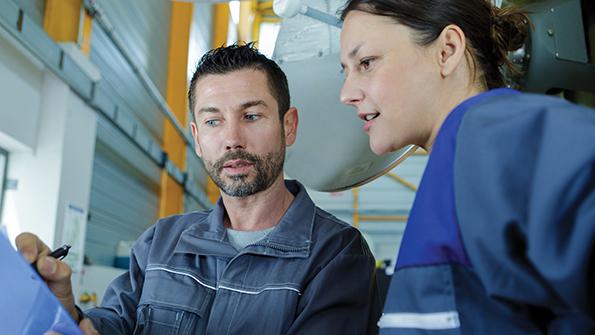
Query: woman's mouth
368,119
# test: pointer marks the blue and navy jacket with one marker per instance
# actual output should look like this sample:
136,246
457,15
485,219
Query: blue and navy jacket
312,274
501,236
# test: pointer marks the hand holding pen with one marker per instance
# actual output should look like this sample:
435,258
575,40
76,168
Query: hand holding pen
49,267
55,273
58,254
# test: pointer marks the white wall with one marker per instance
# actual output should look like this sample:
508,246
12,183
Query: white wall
50,136
20,86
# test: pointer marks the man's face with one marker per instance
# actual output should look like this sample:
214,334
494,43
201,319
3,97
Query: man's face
238,133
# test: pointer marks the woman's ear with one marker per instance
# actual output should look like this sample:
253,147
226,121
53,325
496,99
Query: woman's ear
451,46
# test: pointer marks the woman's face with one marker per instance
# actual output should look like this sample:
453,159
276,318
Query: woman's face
389,79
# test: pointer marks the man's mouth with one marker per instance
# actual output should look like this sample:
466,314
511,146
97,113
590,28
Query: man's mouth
236,163
237,167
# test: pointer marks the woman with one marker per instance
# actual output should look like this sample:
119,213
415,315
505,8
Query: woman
501,236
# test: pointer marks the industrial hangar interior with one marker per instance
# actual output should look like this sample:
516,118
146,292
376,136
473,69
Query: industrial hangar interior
95,138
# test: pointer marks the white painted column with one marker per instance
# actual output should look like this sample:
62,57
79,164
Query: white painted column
57,172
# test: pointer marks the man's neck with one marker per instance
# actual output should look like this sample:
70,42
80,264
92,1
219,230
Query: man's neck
259,211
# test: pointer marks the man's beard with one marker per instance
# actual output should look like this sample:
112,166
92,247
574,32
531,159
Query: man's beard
267,168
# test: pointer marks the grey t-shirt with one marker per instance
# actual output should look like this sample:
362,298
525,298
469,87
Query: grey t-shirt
239,239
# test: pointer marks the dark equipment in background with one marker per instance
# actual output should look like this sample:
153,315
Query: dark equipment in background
556,55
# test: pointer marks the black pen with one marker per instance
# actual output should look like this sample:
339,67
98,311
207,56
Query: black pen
58,254
61,252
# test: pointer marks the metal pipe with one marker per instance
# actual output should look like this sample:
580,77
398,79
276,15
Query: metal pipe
356,218
97,13
290,8
322,17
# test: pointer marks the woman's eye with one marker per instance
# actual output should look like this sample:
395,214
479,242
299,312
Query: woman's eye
365,63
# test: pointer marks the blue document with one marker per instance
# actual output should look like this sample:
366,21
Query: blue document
27,306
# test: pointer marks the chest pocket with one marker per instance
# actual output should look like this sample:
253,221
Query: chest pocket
172,303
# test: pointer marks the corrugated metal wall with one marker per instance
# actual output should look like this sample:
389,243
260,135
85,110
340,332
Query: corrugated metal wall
125,185
124,194
33,8
119,77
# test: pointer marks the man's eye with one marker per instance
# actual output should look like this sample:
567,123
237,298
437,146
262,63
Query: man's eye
212,123
252,117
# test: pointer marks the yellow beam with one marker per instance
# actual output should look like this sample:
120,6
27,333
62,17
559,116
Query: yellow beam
220,24
247,13
256,28
263,13
269,13
62,18
213,192
85,39
172,194
384,218
267,19
264,6
402,181
67,21
356,217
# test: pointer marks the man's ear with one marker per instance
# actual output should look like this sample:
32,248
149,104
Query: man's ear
290,124
194,130
451,46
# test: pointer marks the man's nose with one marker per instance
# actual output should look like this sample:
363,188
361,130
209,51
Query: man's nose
351,94
234,138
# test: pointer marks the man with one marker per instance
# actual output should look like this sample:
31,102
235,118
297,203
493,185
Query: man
265,260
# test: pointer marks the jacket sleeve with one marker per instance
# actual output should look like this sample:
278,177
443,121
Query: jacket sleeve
343,296
525,193
117,314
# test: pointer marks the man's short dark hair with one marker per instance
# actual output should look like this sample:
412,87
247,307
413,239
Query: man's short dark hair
236,57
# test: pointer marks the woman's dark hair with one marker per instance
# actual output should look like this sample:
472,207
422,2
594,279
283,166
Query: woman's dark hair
237,57
491,32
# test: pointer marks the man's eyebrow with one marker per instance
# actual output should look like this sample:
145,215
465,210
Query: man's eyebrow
208,110
253,103
243,106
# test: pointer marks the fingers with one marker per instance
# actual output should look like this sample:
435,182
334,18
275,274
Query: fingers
57,276
30,246
87,327
55,273
53,270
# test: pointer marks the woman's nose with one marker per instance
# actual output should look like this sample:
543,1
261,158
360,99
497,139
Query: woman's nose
351,94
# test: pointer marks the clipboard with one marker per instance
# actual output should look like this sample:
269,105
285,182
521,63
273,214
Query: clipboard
27,306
